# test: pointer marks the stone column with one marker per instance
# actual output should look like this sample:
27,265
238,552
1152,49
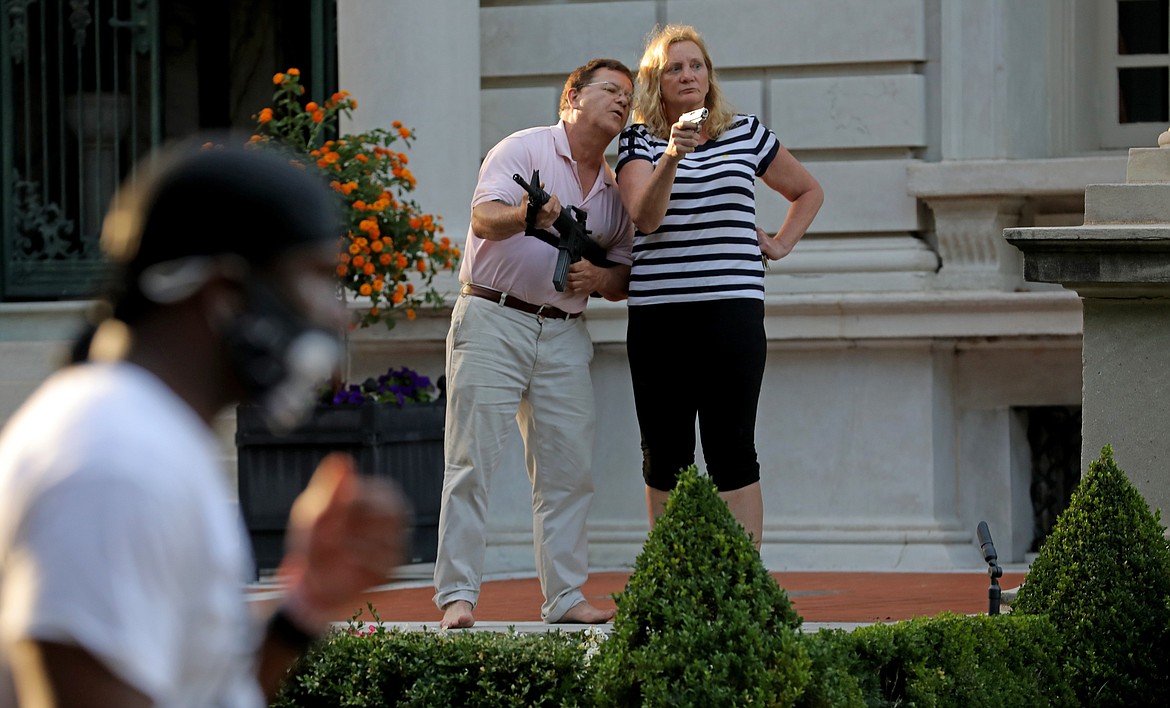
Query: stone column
417,61
1119,263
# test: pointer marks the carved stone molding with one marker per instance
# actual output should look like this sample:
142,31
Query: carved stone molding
971,247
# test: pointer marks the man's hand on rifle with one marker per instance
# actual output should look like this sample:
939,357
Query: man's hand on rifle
610,283
547,214
584,277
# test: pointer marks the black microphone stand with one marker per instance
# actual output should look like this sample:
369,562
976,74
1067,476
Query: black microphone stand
993,569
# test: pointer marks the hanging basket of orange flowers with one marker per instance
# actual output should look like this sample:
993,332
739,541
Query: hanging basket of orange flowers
391,250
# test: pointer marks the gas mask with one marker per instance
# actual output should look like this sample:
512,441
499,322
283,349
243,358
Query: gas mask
279,356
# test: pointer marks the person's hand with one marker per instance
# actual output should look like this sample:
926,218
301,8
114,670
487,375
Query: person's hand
549,212
584,277
770,246
346,533
684,138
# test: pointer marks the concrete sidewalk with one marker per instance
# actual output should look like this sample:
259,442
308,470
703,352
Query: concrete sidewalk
824,599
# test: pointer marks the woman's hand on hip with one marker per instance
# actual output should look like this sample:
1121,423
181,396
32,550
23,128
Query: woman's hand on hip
771,246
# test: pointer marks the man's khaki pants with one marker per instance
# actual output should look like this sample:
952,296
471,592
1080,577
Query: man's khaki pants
504,367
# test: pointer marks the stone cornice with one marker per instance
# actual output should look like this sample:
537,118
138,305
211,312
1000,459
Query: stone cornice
971,178
1123,260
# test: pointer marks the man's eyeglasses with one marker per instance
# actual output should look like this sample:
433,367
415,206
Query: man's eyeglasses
612,89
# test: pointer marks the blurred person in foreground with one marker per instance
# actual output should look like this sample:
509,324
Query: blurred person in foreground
518,351
122,561
697,282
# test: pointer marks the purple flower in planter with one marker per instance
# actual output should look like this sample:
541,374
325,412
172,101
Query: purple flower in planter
397,386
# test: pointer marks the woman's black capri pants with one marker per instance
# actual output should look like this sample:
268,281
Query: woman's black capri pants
703,359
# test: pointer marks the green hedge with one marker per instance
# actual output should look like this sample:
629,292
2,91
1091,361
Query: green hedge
402,668
702,623
948,660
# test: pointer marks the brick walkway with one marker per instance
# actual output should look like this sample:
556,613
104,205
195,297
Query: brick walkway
820,597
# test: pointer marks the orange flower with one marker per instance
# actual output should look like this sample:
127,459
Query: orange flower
411,314
372,180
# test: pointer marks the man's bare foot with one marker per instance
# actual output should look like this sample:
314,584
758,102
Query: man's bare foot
584,613
457,615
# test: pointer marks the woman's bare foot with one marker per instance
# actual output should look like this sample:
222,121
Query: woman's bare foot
584,613
457,615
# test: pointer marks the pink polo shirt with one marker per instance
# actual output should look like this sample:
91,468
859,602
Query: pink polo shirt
523,265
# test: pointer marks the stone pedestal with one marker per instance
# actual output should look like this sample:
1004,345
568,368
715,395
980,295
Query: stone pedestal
1118,261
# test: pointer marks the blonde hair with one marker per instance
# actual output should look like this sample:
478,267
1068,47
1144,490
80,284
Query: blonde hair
648,106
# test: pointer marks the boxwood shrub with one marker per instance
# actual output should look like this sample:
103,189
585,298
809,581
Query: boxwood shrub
701,621
1103,578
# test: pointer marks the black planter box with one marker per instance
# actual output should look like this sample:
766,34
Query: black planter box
403,444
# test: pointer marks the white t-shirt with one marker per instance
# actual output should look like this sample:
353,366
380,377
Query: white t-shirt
116,535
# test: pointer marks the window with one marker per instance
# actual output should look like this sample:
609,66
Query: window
1136,72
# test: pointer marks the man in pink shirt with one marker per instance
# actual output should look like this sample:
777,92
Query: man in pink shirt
518,351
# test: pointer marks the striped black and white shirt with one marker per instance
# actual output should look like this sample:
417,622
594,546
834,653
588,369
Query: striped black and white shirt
706,246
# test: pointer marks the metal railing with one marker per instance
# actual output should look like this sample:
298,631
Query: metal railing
79,104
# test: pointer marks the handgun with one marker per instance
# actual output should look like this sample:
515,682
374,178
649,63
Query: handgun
696,116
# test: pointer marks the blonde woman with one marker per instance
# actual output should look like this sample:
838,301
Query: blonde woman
696,301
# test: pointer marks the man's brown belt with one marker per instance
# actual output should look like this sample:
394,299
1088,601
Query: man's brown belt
517,304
